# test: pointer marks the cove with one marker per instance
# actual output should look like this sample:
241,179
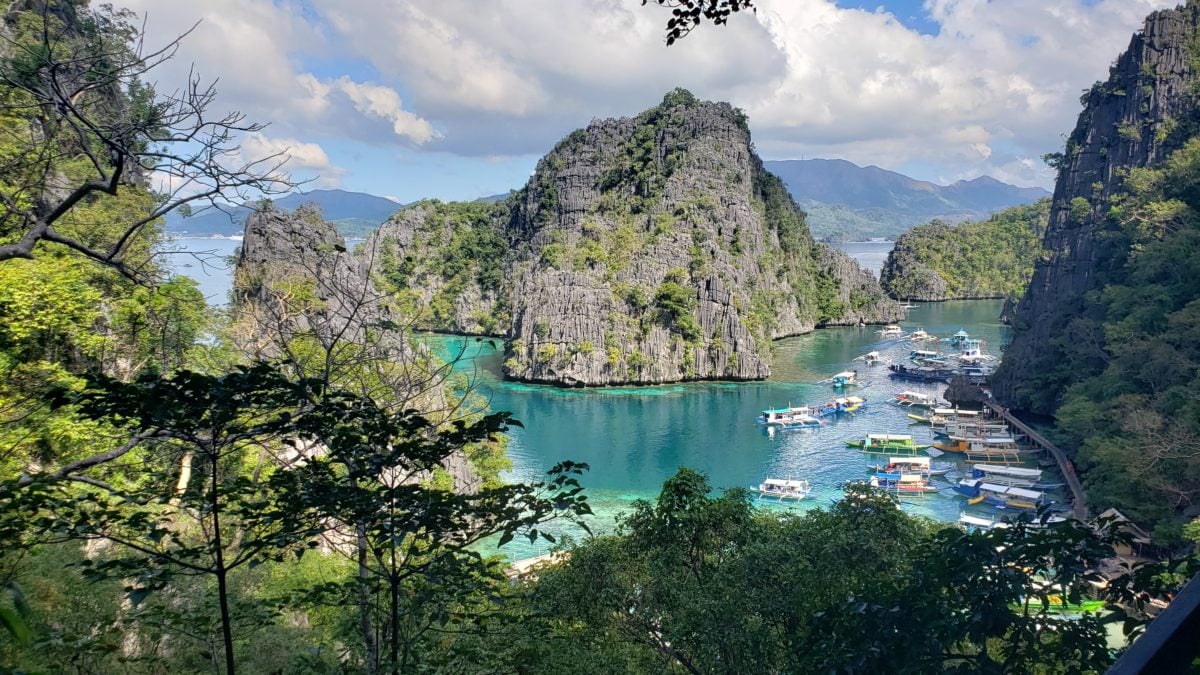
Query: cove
634,438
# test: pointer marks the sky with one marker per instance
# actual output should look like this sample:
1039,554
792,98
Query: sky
458,99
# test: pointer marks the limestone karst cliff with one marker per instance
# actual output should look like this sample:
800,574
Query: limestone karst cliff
1143,112
990,258
643,250
300,295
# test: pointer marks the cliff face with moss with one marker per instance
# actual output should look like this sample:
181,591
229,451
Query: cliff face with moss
1143,112
643,250
991,258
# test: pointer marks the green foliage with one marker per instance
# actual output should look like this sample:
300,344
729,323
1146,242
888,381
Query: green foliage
678,304
1131,361
705,583
781,213
547,353
992,258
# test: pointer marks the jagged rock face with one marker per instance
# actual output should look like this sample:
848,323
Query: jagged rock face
643,250
1132,120
905,277
296,281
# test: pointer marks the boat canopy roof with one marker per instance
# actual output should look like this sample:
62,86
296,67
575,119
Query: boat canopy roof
1028,494
968,519
1015,471
912,478
846,373
914,394
778,482
923,352
961,333
914,461
853,399
889,437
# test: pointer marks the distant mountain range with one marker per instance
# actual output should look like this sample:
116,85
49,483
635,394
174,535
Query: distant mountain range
847,202
356,214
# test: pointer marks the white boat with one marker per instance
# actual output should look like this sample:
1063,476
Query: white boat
915,399
845,378
891,330
791,417
871,358
776,488
1002,496
919,465
919,335
1014,476
902,483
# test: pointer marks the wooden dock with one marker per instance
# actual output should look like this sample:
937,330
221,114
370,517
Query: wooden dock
1078,499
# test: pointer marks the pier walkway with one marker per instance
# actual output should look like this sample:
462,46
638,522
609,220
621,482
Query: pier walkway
1078,499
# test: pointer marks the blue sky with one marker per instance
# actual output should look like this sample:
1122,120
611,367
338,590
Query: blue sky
457,99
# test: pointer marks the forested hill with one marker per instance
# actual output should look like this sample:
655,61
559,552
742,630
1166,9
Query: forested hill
847,202
1107,335
644,250
990,258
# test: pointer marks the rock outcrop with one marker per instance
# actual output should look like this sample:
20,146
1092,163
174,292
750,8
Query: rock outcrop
643,250
298,293
1134,119
990,258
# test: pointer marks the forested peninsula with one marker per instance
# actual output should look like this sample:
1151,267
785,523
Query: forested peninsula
990,258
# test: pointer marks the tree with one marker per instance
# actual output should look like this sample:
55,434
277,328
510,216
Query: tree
688,14
79,125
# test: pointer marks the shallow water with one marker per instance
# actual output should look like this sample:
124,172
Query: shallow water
634,438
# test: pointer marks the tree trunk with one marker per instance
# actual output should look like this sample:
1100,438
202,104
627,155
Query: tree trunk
364,602
222,588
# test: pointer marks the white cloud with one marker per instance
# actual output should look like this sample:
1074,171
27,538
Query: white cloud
995,88
298,156
384,102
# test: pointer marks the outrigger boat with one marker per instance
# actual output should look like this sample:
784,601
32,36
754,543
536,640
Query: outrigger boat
1014,476
846,378
841,404
797,417
921,373
919,335
918,465
972,521
959,339
1001,496
783,490
1058,605
870,358
891,330
971,429
938,416
972,353
904,483
915,399
1001,449
887,443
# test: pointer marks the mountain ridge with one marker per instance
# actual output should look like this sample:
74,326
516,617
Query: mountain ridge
355,214
846,201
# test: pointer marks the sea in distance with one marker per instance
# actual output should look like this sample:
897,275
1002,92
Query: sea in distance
634,438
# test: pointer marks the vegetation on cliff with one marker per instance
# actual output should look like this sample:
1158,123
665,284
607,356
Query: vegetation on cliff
659,237
991,258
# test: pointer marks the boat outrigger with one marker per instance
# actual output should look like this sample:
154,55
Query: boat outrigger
840,405
783,490
888,443
921,373
844,379
915,399
871,358
959,339
918,465
904,483
987,449
792,417
1002,496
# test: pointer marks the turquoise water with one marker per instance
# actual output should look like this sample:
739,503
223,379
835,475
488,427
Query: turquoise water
634,438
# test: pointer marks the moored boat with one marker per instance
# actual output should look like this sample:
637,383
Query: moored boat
1002,496
871,358
841,405
777,488
904,483
921,373
888,443
958,339
843,379
915,399
1015,476
1001,449
919,335
891,330
918,465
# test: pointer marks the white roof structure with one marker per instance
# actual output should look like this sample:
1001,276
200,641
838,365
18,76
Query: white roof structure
777,482
846,373
889,437
1015,471
914,461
